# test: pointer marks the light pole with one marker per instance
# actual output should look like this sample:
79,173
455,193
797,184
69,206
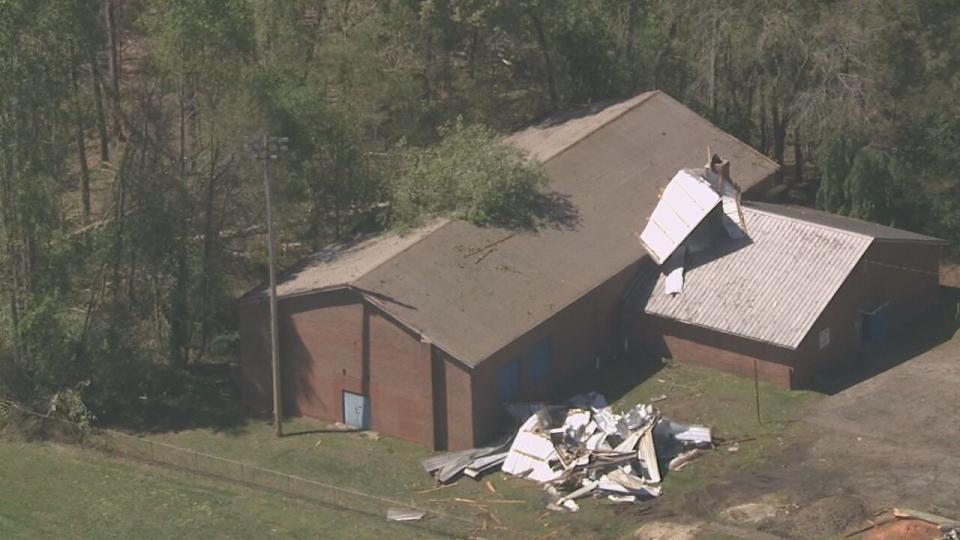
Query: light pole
267,149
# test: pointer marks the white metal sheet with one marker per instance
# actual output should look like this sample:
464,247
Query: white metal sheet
685,202
674,271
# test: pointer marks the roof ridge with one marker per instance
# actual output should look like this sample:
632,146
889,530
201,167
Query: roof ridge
807,222
641,98
724,132
439,222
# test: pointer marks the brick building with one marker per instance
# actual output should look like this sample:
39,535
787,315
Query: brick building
804,292
423,336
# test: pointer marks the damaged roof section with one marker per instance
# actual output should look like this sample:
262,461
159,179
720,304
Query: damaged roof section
685,202
770,286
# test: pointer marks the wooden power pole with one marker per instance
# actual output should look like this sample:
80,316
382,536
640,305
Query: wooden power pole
268,149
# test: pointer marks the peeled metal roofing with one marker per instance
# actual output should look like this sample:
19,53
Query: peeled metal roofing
686,200
770,287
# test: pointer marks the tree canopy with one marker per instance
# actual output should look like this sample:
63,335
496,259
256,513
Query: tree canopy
130,216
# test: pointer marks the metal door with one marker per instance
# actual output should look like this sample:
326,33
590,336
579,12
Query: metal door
356,410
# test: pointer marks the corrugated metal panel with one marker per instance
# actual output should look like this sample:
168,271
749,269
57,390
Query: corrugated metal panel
874,230
769,287
686,200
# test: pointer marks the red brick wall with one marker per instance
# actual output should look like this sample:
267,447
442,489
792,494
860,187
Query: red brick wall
903,273
455,403
332,342
873,281
321,347
701,346
401,393
584,330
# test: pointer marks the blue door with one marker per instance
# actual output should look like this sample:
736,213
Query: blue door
356,410
508,381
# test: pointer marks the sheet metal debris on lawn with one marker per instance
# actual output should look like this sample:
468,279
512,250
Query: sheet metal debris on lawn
404,514
584,448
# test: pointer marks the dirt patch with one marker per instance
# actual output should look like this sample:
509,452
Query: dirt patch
668,530
904,529
754,513
826,516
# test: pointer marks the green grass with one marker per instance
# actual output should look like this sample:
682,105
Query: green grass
728,405
391,468
54,491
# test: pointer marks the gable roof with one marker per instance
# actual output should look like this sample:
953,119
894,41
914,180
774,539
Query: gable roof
873,230
339,265
770,287
473,290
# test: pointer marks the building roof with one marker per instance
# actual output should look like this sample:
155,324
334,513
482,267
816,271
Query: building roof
341,264
769,287
873,230
473,290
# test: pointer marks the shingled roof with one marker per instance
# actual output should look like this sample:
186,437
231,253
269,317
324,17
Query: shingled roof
473,290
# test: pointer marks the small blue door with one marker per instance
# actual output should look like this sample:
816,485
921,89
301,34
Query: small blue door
356,410
508,381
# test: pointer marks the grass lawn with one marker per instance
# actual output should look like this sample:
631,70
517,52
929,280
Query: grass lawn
390,467
57,491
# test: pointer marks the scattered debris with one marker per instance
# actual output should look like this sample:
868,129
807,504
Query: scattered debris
370,435
446,467
733,448
404,514
684,459
583,448
435,488
657,399
490,487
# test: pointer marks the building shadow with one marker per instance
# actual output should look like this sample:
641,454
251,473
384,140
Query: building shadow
910,340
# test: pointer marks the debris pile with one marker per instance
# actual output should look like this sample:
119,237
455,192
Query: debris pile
584,448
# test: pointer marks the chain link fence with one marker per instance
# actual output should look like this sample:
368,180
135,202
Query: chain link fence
200,463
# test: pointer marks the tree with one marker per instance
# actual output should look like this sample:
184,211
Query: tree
470,175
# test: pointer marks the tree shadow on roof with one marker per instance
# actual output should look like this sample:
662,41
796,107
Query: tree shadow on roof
556,210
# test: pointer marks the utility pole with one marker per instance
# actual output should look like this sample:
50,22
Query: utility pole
267,149
756,389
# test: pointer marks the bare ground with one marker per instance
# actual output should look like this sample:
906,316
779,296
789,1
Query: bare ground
892,440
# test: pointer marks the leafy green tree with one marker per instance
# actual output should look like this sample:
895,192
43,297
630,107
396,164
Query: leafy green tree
469,175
